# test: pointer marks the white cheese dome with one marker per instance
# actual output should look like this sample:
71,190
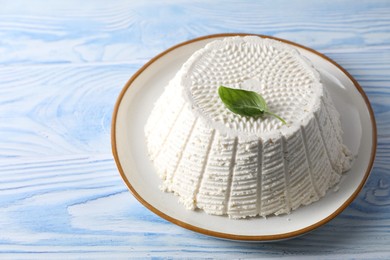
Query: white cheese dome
225,163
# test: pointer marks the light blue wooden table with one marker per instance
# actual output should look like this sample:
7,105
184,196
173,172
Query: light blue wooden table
62,66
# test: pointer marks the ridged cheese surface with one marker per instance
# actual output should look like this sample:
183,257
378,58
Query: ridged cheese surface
238,166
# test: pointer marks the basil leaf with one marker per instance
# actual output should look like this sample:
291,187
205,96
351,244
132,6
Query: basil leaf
245,103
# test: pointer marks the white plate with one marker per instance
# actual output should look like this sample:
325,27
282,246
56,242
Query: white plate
134,106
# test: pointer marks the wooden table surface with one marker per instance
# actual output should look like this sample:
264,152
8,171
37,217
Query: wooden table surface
62,66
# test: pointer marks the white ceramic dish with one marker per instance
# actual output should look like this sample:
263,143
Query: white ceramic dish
134,106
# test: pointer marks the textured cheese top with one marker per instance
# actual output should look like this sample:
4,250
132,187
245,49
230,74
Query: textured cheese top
289,84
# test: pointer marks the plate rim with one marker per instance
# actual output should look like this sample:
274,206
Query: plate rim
223,235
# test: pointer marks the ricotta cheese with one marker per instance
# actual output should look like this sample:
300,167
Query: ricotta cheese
226,164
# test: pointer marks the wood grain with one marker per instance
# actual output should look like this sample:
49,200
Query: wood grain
62,65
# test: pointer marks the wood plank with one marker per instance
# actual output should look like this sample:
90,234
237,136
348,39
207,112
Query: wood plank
95,31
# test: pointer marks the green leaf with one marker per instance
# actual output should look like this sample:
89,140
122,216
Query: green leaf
245,103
